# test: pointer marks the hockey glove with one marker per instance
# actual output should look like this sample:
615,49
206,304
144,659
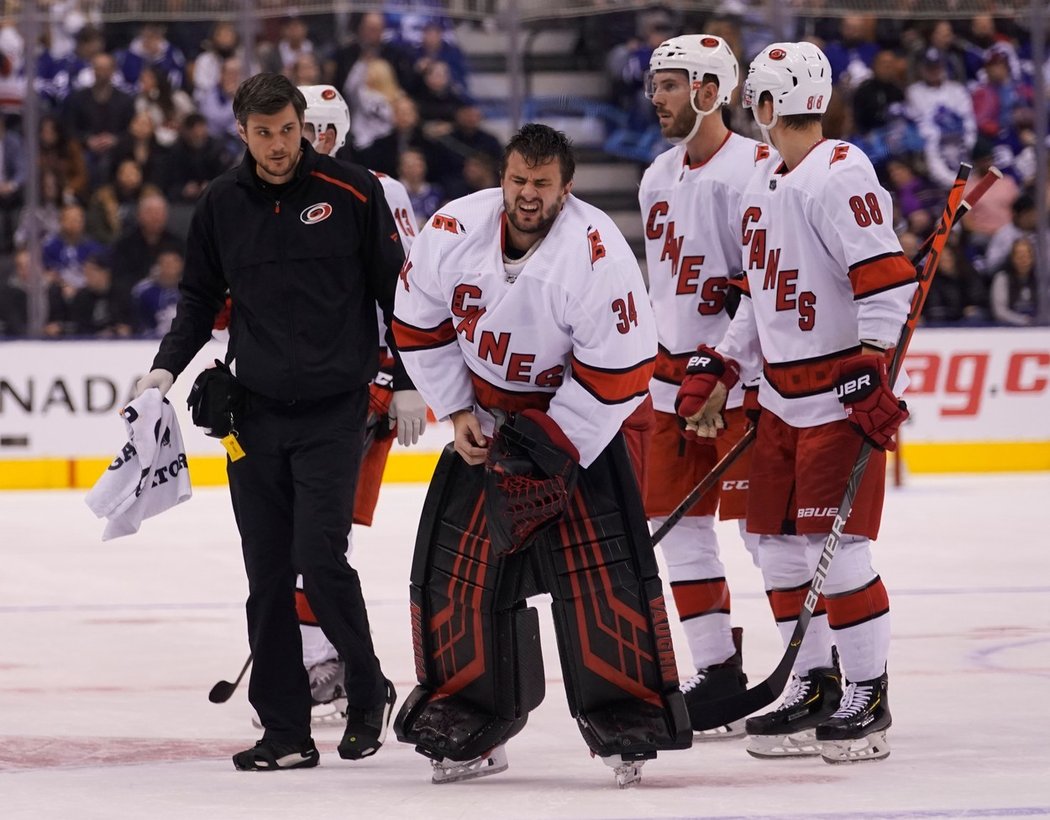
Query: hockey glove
159,378
752,409
862,385
706,369
530,475
408,412
380,392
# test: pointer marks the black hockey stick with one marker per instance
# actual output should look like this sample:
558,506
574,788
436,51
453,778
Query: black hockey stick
706,483
722,711
223,690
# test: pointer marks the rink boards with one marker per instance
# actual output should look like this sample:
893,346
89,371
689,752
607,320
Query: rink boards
979,399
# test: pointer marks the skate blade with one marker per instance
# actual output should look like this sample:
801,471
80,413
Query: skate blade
870,747
731,731
628,773
329,714
450,771
773,747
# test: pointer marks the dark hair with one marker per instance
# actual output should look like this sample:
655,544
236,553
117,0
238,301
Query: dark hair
266,93
539,143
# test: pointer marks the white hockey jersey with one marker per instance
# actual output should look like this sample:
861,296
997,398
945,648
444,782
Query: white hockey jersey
824,270
400,206
573,333
692,248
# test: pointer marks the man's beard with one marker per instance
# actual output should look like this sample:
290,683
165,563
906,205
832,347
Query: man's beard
542,225
682,124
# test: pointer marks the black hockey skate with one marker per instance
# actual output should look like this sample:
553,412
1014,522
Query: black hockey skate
857,731
719,680
790,729
366,728
270,756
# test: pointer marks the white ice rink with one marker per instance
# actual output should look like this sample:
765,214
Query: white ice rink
108,651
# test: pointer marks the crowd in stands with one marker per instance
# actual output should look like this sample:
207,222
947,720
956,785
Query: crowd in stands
137,120
919,96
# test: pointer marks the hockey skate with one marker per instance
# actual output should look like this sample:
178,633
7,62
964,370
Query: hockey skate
627,768
453,771
719,680
857,731
790,729
327,682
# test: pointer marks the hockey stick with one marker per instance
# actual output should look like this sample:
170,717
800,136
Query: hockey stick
223,690
722,711
706,483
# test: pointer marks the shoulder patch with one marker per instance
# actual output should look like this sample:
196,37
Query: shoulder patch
444,222
838,153
761,152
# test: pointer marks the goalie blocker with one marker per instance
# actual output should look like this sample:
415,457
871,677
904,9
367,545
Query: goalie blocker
477,646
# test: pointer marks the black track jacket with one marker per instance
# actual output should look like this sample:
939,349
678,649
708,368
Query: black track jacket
305,269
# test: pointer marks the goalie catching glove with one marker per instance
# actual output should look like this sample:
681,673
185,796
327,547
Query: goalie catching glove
530,475
705,371
862,385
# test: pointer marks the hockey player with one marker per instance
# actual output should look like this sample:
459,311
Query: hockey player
828,290
326,125
522,312
690,198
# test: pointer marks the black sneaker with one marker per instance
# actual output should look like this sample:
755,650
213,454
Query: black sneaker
272,755
366,728
790,729
857,730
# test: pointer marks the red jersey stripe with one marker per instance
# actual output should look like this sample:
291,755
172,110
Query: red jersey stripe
880,273
420,338
614,386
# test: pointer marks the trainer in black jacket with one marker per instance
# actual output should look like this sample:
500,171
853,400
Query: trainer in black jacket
307,247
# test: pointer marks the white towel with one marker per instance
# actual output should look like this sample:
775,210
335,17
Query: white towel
149,475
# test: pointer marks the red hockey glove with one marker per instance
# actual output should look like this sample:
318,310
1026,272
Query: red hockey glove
862,385
530,475
706,368
752,409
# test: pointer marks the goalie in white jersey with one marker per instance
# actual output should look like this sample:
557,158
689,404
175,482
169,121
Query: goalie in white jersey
326,125
828,291
523,314
690,200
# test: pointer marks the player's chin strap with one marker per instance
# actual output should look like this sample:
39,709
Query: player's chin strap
765,129
700,114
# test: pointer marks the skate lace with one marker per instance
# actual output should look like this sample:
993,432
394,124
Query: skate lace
854,701
695,681
797,691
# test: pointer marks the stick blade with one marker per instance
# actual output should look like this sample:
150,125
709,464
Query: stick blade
221,692
721,711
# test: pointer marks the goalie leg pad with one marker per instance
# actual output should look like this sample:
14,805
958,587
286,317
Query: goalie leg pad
477,650
621,676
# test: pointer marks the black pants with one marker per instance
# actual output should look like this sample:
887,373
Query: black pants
293,498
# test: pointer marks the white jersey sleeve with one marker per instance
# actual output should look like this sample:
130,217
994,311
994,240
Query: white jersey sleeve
401,207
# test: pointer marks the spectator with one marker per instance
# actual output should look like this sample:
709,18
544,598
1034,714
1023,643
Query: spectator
466,139
97,116
59,76
438,101
956,292
140,144
1013,292
1022,225
167,107
852,54
306,70
913,193
425,197
434,48
372,117
195,160
294,43
135,253
346,69
944,112
62,156
46,218
99,309
982,36
1002,103
12,182
111,210
14,301
216,106
942,37
881,96
155,299
65,253
994,209
151,48
223,44
480,171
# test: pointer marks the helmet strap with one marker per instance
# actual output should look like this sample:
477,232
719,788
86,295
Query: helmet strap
700,114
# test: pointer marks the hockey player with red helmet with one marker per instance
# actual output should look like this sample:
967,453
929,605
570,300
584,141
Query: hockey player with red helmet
690,198
827,290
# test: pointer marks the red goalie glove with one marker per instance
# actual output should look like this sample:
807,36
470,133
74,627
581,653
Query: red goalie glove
862,385
705,369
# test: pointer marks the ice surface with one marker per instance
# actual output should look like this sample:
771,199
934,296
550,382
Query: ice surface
108,651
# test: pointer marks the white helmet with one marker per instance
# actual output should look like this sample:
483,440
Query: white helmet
698,55
797,75
326,107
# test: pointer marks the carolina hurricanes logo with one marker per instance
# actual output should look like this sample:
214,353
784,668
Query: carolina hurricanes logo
777,54
328,94
709,42
312,214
